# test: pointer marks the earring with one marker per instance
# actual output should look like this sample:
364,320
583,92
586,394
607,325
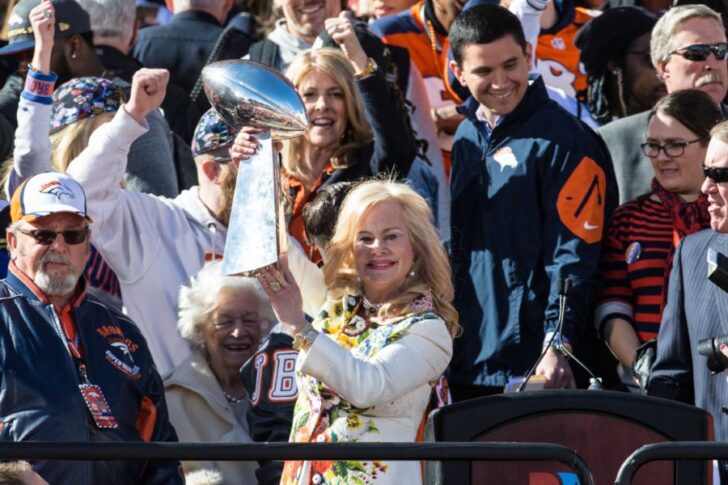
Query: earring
412,273
73,56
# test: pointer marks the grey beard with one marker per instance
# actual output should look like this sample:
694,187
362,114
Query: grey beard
55,286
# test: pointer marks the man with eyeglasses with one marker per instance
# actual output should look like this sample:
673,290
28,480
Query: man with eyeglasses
688,49
696,308
71,368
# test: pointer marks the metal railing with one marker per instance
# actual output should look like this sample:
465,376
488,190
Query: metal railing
452,451
677,450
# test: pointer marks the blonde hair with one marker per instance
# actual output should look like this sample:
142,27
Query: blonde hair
432,274
69,142
66,144
332,63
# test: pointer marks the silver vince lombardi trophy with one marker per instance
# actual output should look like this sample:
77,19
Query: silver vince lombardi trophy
247,93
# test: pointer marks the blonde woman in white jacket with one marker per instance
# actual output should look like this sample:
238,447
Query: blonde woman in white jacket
366,364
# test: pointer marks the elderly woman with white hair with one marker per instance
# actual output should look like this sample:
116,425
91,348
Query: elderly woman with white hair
223,318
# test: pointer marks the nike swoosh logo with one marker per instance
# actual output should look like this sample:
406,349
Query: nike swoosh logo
589,227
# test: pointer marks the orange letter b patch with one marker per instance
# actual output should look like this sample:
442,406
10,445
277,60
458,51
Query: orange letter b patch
581,202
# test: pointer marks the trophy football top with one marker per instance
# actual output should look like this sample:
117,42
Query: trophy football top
247,93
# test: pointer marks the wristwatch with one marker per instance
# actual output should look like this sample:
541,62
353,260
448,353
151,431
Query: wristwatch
305,338
370,69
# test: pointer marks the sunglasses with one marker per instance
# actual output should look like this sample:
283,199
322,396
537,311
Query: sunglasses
45,237
718,175
700,52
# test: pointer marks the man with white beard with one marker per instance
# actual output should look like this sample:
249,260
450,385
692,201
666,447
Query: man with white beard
71,368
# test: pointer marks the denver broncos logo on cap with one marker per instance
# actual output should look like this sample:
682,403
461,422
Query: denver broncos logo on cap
55,187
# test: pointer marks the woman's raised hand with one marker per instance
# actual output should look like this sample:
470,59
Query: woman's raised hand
284,293
43,20
342,31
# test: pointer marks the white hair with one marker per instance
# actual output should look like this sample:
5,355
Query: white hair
199,299
203,476
664,31
112,19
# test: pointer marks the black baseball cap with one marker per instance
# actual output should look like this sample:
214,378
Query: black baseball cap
607,36
71,19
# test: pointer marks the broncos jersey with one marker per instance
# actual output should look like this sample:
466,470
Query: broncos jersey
269,377
557,58
429,52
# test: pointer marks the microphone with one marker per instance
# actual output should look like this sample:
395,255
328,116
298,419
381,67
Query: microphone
595,383
563,286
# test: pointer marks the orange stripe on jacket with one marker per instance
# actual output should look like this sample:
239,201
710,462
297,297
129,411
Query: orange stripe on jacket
147,419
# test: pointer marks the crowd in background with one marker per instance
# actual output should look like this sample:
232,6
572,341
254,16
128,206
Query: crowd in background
486,193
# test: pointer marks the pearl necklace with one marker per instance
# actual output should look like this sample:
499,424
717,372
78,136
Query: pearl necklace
371,307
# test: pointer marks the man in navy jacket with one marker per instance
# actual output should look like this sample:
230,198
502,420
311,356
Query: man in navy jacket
71,368
532,188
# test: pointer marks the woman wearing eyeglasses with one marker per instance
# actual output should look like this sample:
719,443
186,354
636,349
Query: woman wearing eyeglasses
643,234
223,318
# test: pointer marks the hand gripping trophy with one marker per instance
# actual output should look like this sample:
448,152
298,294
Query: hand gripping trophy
246,93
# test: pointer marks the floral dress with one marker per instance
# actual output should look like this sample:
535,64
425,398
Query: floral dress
323,415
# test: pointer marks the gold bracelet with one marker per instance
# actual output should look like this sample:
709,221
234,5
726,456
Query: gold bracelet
370,69
304,339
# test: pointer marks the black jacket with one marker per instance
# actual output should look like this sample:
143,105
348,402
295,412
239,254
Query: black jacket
182,46
40,398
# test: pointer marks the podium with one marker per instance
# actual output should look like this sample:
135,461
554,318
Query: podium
603,427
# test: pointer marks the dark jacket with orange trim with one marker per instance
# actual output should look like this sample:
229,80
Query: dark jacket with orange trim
40,399
530,202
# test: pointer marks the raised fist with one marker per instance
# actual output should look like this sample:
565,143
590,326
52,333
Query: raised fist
43,20
148,88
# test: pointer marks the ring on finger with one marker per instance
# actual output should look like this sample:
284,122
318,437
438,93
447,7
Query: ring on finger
47,15
275,287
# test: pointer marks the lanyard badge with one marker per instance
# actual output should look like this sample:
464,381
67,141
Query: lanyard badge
92,394
97,406
95,401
